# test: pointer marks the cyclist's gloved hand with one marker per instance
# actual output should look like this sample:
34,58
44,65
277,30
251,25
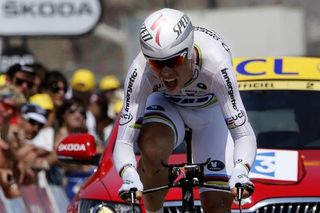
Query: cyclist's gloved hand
240,175
131,181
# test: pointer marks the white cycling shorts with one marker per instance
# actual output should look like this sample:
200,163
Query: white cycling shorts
210,135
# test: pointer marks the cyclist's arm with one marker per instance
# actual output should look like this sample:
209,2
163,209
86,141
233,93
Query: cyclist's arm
136,91
226,89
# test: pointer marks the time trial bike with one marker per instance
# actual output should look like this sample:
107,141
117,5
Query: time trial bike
187,176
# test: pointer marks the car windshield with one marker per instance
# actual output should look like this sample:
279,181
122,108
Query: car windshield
284,119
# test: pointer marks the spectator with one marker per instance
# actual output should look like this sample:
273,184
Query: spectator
83,85
40,74
23,77
33,119
25,153
44,140
72,119
110,87
21,155
42,100
104,121
55,85
10,100
109,104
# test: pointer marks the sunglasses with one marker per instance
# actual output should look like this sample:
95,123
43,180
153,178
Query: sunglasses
56,89
171,62
20,81
35,123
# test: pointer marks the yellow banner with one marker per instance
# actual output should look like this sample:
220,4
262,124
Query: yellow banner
279,85
286,73
277,68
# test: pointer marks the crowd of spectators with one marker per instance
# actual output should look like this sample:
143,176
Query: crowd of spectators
38,108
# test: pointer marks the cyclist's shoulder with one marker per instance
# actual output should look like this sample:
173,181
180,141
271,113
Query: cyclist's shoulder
137,67
139,62
211,49
209,38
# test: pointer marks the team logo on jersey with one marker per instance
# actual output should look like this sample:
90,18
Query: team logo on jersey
190,100
125,118
230,88
155,107
215,165
236,120
130,89
156,26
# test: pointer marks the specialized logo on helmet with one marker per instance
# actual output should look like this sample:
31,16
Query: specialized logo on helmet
144,33
157,24
181,25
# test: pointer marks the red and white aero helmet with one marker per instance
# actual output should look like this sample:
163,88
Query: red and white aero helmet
166,33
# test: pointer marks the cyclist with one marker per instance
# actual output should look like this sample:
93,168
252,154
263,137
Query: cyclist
183,75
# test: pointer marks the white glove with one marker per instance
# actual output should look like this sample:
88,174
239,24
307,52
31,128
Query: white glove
239,175
131,180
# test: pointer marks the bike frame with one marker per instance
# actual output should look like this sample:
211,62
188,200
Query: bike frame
194,177
187,191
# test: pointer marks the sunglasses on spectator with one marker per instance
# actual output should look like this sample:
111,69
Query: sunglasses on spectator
35,123
73,110
20,81
56,89
171,62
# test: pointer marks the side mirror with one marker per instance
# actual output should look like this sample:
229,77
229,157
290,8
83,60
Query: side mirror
78,149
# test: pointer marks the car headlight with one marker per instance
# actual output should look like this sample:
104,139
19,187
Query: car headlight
101,208
98,206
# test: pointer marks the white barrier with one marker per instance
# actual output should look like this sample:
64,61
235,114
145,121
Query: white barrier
40,198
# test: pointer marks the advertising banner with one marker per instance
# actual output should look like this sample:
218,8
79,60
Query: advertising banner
273,165
281,73
48,18
13,55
